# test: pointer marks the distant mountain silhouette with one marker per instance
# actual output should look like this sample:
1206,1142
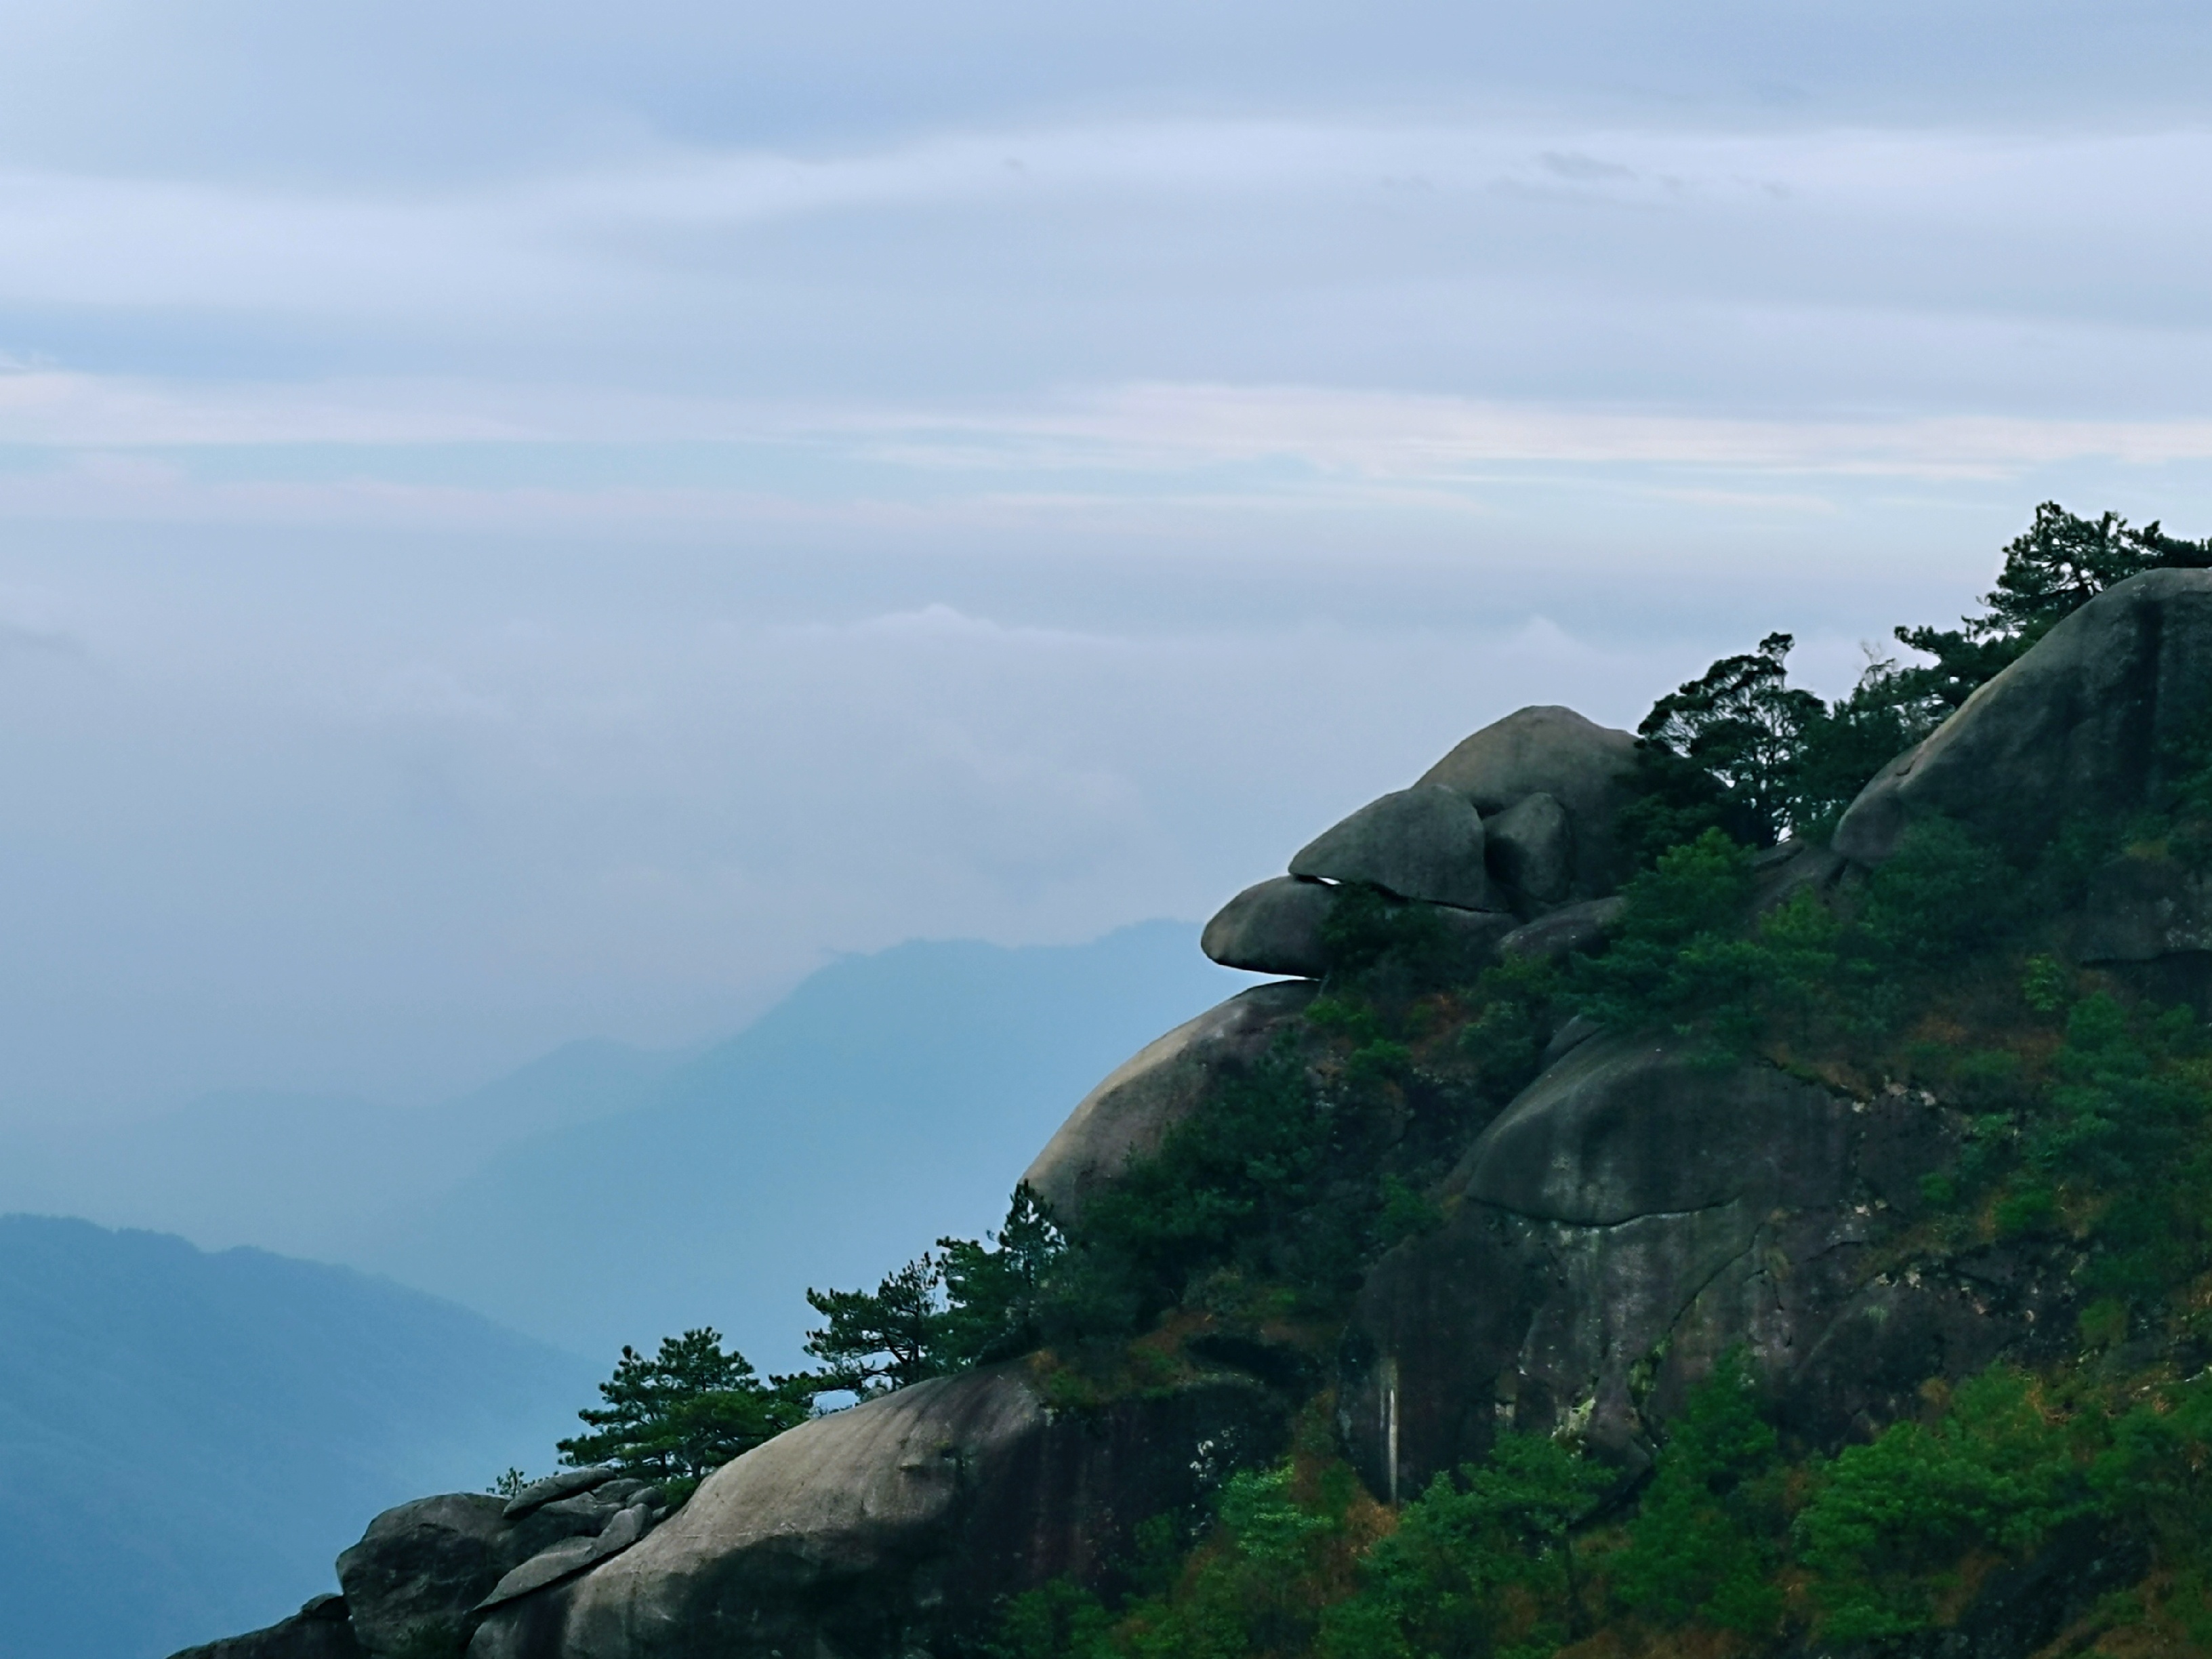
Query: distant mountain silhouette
309,1175
889,1099
186,1440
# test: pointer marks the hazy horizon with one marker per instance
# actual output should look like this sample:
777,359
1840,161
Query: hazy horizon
540,523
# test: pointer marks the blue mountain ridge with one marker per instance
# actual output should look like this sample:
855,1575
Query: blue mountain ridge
889,1099
188,1439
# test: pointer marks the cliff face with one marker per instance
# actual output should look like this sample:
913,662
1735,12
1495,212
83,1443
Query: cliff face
1579,1257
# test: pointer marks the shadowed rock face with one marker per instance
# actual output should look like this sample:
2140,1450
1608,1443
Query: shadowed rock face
881,1530
1127,1115
421,1566
2080,723
1632,1216
2086,724
1586,769
318,1630
1531,848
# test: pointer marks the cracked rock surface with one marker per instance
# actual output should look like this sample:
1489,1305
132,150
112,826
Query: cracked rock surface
1636,1212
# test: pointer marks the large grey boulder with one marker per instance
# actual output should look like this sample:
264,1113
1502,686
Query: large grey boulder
420,1569
1624,1127
2081,723
1418,844
318,1630
1588,769
1635,1213
1278,928
1273,927
1126,1116
895,1527
1532,849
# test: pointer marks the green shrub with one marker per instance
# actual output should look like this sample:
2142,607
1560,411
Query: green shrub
1994,1471
1944,893
1058,1620
1704,1544
1681,959
1479,1566
1370,935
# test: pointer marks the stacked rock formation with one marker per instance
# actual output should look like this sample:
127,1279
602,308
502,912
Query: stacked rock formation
426,1574
1507,843
1515,823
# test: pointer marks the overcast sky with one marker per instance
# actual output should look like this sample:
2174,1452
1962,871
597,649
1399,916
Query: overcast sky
518,522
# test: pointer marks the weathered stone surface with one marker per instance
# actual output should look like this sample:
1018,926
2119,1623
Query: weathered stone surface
565,1560
318,1630
1125,1115
1587,768
1624,1128
893,1527
2081,721
569,1556
583,1511
423,1566
1632,1216
1570,1036
1418,843
1473,936
567,1484
1531,846
1572,927
1273,927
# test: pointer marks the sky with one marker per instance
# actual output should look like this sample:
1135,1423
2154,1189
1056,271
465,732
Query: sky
526,522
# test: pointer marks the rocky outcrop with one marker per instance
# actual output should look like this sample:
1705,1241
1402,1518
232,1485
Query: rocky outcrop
2083,724
1126,1116
1635,1213
893,1527
1516,821
1586,769
2086,726
1279,927
415,1584
319,1630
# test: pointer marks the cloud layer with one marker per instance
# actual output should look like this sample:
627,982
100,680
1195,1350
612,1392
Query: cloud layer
522,521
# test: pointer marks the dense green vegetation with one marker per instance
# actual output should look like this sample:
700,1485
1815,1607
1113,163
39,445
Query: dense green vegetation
2085,1115
1729,1541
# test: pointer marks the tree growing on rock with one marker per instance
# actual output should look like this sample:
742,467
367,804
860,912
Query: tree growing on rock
969,1302
1740,750
680,1414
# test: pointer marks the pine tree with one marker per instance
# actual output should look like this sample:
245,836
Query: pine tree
682,1413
